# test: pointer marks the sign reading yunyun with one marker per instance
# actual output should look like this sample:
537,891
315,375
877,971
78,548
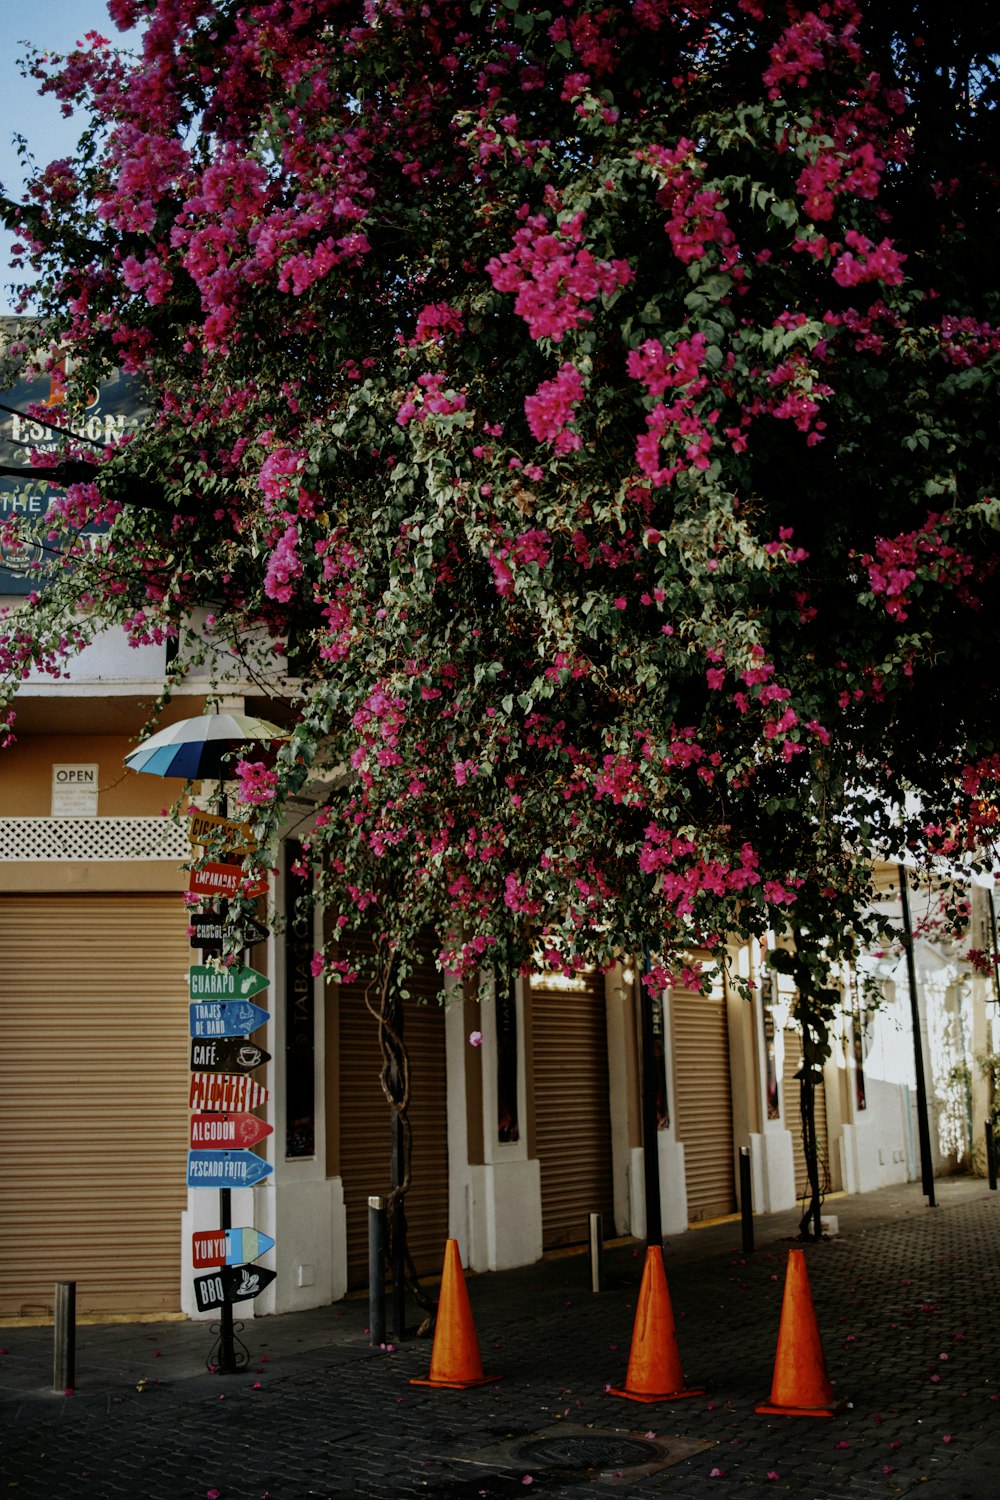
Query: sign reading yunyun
227,1055
226,1169
228,1247
231,1284
219,1092
227,1130
206,983
225,1017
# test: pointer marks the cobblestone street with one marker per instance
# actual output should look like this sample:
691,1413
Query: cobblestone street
906,1299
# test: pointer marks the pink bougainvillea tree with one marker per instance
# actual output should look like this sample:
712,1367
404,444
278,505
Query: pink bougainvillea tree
596,401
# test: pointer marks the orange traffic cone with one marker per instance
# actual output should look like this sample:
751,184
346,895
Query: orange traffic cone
654,1367
455,1360
801,1386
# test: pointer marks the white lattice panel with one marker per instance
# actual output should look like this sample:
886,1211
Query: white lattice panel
92,839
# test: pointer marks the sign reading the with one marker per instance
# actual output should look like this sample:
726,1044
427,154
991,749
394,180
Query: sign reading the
228,1247
225,1017
206,983
217,879
218,1092
227,1130
226,1169
227,1056
231,1284
74,791
221,833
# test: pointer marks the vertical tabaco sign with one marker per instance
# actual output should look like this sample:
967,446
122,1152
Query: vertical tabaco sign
74,791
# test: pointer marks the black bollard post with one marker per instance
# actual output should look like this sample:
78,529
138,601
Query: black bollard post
991,1155
596,1253
376,1272
64,1325
746,1199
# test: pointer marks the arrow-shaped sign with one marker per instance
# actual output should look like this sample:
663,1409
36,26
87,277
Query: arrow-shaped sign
231,1284
209,1130
209,930
227,1055
207,983
226,1169
228,1247
225,1017
217,1091
222,833
222,879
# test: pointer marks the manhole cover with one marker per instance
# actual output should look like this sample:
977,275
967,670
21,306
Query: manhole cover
610,1455
595,1451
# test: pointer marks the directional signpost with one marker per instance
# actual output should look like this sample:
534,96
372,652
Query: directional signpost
210,1131
227,1055
228,1247
225,1018
231,1284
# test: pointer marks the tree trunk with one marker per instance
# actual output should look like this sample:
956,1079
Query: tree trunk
385,1004
810,1226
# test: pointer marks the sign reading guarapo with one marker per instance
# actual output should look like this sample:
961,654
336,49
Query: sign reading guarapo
207,983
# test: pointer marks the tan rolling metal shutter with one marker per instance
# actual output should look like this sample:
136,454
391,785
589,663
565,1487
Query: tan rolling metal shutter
703,1102
572,1111
793,1117
93,1100
365,1132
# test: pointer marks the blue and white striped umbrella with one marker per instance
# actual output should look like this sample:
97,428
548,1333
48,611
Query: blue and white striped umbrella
205,748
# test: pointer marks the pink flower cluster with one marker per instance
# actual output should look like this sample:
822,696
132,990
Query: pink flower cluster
257,783
697,218
554,276
681,886
284,566
865,261
552,408
804,46
900,561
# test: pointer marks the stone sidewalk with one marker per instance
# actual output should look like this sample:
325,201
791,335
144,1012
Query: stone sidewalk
906,1298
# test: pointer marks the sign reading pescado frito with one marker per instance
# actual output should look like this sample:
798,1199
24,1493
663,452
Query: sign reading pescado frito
226,1169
